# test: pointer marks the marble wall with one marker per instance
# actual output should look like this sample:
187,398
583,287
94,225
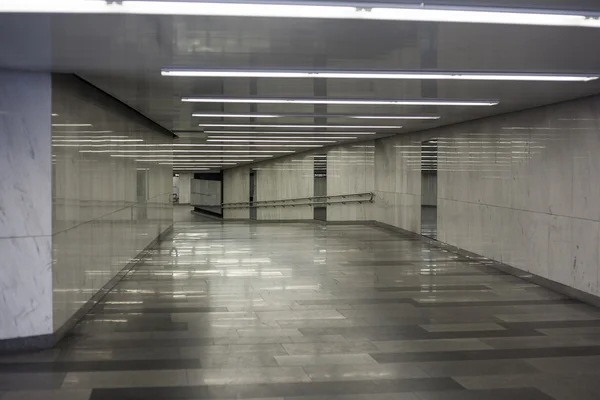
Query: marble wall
519,188
185,188
350,170
25,205
522,189
236,189
285,178
106,208
397,177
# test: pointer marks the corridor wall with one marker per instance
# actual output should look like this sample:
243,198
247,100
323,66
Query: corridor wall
520,188
106,208
236,189
287,178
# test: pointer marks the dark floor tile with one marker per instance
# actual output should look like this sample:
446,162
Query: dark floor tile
278,390
495,354
492,394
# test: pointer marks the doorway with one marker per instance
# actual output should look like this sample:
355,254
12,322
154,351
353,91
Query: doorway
320,185
429,168
252,194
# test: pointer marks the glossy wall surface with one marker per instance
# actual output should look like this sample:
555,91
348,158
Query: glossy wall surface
350,170
523,189
25,205
236,189
286,178
105,208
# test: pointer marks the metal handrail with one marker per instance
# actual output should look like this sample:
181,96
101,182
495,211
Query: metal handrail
307,201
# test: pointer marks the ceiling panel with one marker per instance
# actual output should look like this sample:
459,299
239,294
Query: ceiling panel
124,54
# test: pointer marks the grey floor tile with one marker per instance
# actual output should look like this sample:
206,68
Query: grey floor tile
492,394
326,359
476,368
31,381
370,396
467,327
262,332
588,365
541,341
431,345
48,395
329,348
109,379
583,330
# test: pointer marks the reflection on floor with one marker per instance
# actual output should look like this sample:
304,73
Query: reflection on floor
312,312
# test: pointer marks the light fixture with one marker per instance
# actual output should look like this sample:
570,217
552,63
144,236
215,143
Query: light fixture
71,124
72,132
299,126
284,137
378,102
54,115
358,74
223,115
268,141
319,115
366,11
194,151
289,133
395,117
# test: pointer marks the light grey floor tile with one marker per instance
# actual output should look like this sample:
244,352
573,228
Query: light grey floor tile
364,372
369,396
327,359
246,376
262,332
299,315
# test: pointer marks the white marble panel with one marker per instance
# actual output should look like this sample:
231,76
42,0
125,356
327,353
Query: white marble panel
25,106
25,205
26,287
236,189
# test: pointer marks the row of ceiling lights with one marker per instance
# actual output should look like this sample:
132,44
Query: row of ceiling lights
438,75
366,11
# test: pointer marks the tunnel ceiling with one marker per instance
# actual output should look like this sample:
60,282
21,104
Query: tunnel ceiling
124,56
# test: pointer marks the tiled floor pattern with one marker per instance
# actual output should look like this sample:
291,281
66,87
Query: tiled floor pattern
312,312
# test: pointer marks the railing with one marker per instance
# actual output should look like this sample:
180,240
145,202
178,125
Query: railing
305,201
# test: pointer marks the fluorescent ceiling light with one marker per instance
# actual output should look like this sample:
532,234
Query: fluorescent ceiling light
368,11
72,132
396,117
283,137
71,124
196,151
332,74
289,133
234,115
299,126
319,115
54,115
378,102
268,141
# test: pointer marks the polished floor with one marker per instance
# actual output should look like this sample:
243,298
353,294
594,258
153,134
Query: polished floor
313,312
